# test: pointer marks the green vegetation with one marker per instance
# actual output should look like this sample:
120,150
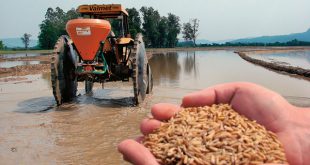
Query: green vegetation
134,21
174,29
190,31
26,39
54,26
158,31
151,19
1,45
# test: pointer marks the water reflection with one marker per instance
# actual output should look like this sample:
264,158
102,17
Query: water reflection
190,63
165,68
201,69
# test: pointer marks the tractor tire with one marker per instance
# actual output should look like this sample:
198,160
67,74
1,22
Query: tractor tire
150,80
139,70
64,82
89,86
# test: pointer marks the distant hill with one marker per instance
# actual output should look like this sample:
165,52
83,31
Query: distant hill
17,42
305,36
202,41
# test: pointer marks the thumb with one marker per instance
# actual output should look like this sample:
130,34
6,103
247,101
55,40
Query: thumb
136,153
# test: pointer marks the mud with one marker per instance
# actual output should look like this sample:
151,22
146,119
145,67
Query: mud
27,68
33,130
277,66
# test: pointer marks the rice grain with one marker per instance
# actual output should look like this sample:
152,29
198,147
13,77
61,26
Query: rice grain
213,135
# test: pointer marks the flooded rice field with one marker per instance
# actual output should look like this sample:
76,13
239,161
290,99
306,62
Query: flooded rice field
291,58
9,64
21,55
34,131
200,69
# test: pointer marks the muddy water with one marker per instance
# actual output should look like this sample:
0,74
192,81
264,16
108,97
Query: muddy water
200,69
34,131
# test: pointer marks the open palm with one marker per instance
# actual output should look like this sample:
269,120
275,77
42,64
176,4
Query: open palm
291,124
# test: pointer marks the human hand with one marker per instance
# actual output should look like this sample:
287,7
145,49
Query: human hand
291,124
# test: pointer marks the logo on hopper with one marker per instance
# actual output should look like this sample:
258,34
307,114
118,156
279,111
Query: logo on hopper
100,8
83,31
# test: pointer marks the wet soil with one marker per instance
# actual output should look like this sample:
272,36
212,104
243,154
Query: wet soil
33,130
276,66
27,69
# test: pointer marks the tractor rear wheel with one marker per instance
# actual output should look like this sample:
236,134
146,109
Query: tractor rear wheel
139,70
63,77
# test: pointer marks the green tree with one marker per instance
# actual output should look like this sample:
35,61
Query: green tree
1,45
187,31
174,29
195,26
190,30
71,14
163,32
54,26
151,19
134,21
116,26
48,35
26,40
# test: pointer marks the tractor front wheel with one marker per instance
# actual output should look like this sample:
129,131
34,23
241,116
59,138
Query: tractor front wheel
139,70
63,77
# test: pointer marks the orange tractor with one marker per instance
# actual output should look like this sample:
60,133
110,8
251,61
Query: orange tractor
93,53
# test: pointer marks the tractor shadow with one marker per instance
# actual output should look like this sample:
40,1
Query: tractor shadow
36,105
107,98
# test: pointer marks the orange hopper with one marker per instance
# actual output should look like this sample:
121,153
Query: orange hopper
87,34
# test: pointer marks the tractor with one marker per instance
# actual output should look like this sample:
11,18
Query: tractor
95,53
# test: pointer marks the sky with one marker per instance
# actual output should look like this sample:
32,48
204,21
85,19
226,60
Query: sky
219,19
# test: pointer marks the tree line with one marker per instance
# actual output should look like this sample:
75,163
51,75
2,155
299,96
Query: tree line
1,45
53,26
158,31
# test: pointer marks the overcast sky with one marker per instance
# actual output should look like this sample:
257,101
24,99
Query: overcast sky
219,19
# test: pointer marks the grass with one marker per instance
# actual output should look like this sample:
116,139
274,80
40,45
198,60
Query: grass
24,51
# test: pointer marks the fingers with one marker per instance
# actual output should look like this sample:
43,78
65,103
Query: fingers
149,125
200,98
214,95
160,112
139,139
136,153
164,111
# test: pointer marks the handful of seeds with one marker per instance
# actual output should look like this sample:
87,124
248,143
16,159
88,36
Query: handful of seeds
213,135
